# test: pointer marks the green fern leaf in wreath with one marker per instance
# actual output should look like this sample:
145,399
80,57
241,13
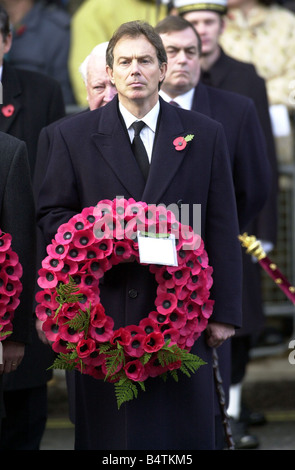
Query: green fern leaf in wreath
81,321
66,293
126,390
65,361
6,333
114,359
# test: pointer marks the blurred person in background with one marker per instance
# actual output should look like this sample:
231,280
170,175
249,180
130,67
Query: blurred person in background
30,101
41,40
263,32
17,217
224,72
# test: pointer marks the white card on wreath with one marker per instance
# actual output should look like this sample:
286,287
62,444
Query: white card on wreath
157,248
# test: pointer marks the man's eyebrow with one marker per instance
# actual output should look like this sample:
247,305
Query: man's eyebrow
180,48
143,56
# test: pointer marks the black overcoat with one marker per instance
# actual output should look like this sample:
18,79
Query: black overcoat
240,77
35,101
17,217
91,159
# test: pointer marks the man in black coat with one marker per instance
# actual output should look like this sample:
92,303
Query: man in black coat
162,417
16,194
30,102
250,164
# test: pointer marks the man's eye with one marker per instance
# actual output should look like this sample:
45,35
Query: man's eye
171,52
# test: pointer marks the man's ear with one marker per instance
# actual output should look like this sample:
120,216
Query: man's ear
110,74
7,43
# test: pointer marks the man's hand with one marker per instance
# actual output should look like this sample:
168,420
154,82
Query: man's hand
13,354
40,332
217,333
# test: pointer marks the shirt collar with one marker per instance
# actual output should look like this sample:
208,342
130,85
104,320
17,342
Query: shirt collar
150,119
185,100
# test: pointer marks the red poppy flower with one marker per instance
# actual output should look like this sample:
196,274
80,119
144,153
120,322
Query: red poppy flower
154,368
43,312
47,279
83,238
52,264
148,325
159,318
207,308
166,303
8,110
135,347
65,234
98,316
135,370
171,335
85,347
5,242
51,329
105,206
153,342
179,143
121,251
60,346
103,333
122,336
68,333
57,250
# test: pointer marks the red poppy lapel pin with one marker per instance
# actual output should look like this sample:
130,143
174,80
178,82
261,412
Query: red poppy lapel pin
7,110
20,30
181,142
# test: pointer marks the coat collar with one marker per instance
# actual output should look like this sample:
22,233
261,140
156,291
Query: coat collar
219,70
114,145
201,102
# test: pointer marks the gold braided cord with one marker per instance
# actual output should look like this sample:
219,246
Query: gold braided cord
202,6
252,245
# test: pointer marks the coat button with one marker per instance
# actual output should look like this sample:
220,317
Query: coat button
133,293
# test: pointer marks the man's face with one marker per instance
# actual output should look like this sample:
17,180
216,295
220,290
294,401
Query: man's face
5,46
136,72
100,90
183,70
209,25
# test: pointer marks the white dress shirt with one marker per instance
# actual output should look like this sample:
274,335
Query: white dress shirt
147,134
185,101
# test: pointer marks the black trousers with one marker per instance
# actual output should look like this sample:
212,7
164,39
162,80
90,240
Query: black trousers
25,418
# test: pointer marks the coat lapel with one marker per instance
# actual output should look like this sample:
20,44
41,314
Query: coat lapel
166,160
114,146
112,142
201,102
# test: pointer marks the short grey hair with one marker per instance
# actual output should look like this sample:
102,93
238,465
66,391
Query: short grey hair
98,51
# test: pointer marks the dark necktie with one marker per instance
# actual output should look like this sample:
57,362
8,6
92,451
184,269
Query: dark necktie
173,103
139,149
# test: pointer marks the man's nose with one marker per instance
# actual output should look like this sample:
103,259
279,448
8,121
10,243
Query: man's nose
181,56
135,66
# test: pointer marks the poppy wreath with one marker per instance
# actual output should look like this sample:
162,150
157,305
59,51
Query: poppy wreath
81,331
10,284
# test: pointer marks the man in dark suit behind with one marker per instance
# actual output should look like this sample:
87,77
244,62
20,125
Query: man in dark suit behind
163,415
250,163
30,102
226,73
16,194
